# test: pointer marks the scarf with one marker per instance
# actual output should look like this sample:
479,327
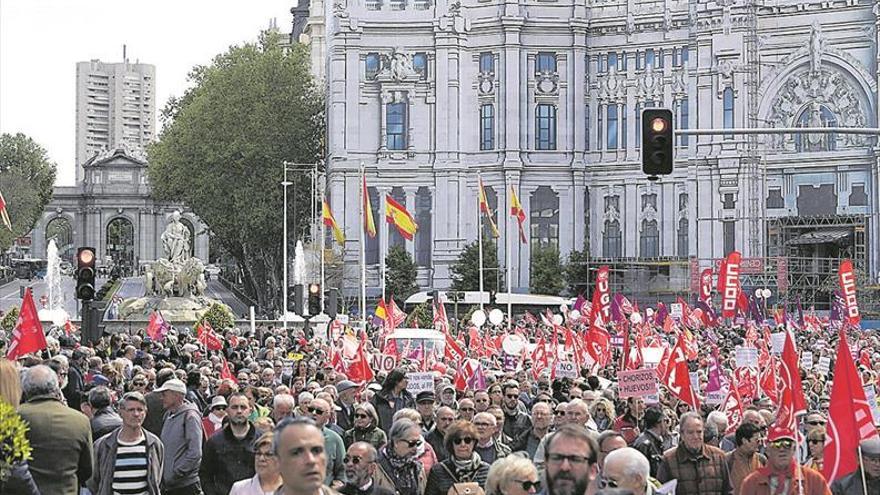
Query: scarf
466,470
404,472
780,481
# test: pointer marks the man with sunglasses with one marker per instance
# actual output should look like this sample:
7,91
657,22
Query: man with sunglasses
650,442
359,467
782,474
334,447
515,421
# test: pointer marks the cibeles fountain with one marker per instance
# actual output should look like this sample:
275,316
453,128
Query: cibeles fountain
174,285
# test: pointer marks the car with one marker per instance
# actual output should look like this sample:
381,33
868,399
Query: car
212,270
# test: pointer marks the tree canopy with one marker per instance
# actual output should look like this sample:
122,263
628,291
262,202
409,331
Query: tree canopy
400,274
26,179
546,276
466,270
222,148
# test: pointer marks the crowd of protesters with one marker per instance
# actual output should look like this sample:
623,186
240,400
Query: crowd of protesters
276,412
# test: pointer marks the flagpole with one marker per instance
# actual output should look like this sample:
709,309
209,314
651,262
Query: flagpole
323,237
509,262
862,469
363,183
480,238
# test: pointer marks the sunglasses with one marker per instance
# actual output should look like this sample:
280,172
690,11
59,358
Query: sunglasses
222,408
467,440
352,459
466,409
315,410
816,440
361,416
816,423
781,444
559,413
607,483
512,396
412,443
528,485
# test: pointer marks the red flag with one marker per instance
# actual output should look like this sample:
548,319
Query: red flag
336,358
677,379
706,286
791,393
453,352
732,407
28,334
729,284
539,357
69,328
849,417
747,383
359,371
4,213
768,381
602,296
205,334
440,321
157,327
225,373
847,279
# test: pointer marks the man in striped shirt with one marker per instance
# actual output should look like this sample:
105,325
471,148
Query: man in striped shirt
128,459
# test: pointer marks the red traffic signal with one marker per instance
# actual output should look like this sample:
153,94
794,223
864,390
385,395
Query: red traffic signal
85,273
657,155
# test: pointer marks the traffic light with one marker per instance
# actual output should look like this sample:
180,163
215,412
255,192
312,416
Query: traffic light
314,299
298,299
656,142
85,273
332,303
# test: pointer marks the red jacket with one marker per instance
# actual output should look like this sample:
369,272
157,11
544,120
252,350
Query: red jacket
758,483
208,425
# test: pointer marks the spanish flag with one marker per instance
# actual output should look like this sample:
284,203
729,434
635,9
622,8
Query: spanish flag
396,214
4,214
330,221
369,225
484,207
516,211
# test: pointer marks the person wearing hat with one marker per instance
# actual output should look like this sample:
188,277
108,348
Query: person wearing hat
182,436
214,420
783,474
345,397
852,483
425,407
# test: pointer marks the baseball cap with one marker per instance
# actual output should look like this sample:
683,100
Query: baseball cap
173,385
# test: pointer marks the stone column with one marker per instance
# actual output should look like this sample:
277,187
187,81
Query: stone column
410,203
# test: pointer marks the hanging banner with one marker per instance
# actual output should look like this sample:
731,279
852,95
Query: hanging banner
847,279
782,274
730,285
602,295
706,286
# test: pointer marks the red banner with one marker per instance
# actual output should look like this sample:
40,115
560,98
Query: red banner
729,283
602,295
847,279
782,274
706,285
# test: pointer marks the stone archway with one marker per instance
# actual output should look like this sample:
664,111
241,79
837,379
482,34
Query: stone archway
61,231
192,236
119,244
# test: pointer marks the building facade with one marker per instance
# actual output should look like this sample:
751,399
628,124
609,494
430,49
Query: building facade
115,106
112,210
545,99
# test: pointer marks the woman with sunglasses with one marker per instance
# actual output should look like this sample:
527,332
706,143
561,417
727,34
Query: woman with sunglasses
268,477
399,468
816,447
463,465
366,427
513,475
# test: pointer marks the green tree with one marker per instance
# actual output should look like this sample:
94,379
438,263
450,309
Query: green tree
577,272
466,270
26,180
546,271
222,148
422,316
400,274
219,316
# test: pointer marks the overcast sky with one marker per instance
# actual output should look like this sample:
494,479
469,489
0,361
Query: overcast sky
42,40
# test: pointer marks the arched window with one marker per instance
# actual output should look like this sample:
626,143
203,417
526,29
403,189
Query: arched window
728,110
683,237
544,221
60,230
815,115
612,127
611,241
120,242
649,244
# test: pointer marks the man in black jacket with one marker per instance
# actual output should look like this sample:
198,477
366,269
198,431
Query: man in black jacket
229,454
360,466
444,417
650,442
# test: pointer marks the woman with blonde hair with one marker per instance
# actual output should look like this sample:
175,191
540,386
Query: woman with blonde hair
513,475
20,480
268,477
366,427
603,414
815,447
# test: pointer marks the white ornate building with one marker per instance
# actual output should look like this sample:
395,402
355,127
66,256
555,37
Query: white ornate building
544,97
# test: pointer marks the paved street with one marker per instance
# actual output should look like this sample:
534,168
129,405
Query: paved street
218,291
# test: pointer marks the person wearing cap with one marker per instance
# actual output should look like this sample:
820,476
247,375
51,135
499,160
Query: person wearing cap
783,474
213,422
345,397
852,483
447,397
182,436
699,468
130,457
425,407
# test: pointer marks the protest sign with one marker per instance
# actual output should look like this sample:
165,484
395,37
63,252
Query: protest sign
777,342
746,357
287,366
715,397
383,362
871,397
676,310
637,383
823,365
695,381
510,362
295,356
652,398
565,369
420,382
807,360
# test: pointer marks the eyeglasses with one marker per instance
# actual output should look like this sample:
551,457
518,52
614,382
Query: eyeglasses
353,459
482,423
361,416
467,440
528,485
267,455
816,440
607,483
512,396
412,443
572,459
316,410
222,408
784,444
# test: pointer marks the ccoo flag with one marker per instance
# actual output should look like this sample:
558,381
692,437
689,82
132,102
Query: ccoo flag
28,335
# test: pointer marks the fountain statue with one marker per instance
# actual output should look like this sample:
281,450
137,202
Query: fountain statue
299,264
175,284
54,310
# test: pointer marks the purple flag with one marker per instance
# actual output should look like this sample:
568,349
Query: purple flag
616,311
661,314
715,381
477,380
579,303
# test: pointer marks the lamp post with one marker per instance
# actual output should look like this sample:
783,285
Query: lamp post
764,294
284,294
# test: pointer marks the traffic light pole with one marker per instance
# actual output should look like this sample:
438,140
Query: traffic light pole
872,131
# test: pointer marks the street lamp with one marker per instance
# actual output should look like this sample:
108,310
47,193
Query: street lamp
764,294
284,294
